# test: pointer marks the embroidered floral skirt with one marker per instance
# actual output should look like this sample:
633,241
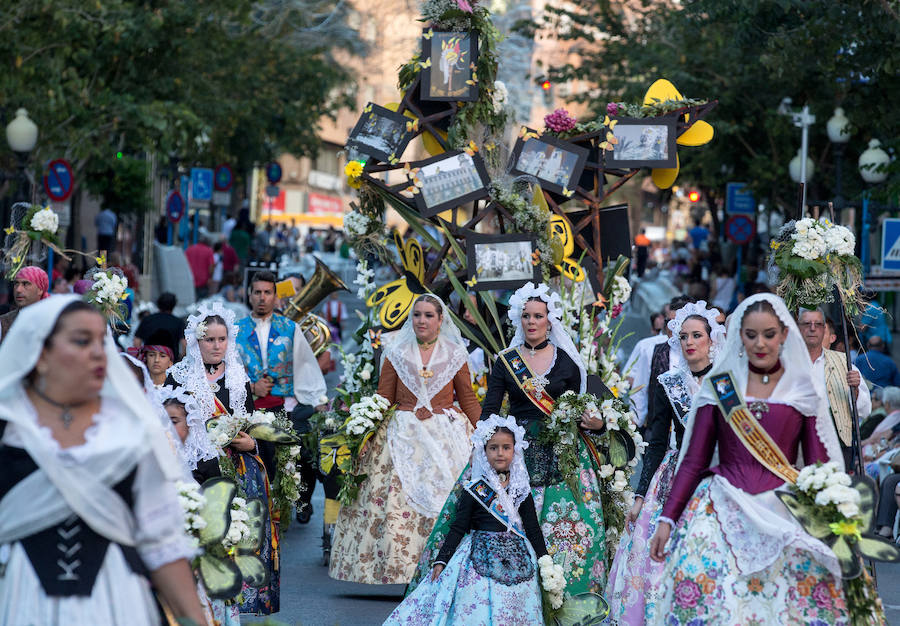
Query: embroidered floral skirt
634,578
572,524
702,584
251,474
378,538
471,592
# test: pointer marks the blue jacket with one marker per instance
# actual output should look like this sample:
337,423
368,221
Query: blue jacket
878,368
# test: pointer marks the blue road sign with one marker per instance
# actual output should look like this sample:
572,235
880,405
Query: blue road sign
890,244
224,177
201,184
58,182
273,172
739,229
174,207
738,199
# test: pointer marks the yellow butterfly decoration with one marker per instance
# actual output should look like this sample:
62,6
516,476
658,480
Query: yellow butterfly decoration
568,267
601,301
536,257
472,282
425,64
428,33
368,108
611,140
567,192
334,452
700,132
396,297
490,146
526,134
10,230
375,338
415,182
471,149
413,126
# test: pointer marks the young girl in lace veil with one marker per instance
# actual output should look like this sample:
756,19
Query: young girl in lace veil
486,571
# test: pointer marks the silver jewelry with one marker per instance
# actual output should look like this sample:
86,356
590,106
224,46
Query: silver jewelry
538,383
66,415
758,408
741,351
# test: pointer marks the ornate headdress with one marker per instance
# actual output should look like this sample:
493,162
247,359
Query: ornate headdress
717,330
558,335
197,446
519,486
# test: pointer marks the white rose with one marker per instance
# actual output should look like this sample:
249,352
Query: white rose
619,481
848,509
365,374
606,471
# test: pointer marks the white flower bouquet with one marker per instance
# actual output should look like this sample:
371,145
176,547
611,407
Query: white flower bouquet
38,225
108,292
812,257
192,501
553,581
45,221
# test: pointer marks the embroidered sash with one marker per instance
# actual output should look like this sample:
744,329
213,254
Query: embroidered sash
748,429
485,495
677,390
838,394
522,374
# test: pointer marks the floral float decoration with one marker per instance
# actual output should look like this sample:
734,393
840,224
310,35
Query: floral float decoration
813,257
39,225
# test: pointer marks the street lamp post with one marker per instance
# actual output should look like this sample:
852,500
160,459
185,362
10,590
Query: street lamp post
872,164
802,119
838,128
21,135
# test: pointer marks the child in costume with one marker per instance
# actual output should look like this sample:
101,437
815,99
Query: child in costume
486,571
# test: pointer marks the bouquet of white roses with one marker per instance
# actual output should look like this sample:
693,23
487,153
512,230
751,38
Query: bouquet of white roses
812,257
107,292
553,581
192,501
39,224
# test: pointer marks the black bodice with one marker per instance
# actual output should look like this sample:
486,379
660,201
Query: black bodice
66,557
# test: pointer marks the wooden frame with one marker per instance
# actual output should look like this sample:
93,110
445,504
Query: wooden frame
463,86
457,188
644,142
536,155
383,147
519,248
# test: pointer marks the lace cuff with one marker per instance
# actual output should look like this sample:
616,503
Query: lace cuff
663,518
157,554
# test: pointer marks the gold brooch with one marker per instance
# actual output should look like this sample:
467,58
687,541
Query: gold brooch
426,373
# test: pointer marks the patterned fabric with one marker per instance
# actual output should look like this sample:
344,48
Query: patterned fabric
701,583
251,474
572,524
279,353
634,578
503,557
378,538
461,595
679,392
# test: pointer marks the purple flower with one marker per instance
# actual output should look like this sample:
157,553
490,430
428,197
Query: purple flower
559,121
612,108
822,596
616,310
687,592
464,5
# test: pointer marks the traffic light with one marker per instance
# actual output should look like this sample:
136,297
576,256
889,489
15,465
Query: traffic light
119,155
694,196
547,88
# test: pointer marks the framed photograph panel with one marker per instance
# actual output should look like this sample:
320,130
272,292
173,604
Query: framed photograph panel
555,163
380,133
447,181
450,59
501,261
643,142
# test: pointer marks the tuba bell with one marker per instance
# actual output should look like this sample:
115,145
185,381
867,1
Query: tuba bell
299,309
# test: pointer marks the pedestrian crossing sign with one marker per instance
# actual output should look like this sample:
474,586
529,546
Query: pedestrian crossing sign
890,244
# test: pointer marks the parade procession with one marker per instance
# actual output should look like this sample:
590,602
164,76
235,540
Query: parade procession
487,314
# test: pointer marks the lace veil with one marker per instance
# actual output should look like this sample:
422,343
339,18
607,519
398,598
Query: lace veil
448,357
197,446
558,335
795,388
190,372
717,332
519,486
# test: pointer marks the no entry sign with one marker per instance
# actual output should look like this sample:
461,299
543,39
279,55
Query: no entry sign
175,207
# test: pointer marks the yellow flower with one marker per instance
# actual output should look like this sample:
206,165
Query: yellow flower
354,182
101,260
353,169
847,528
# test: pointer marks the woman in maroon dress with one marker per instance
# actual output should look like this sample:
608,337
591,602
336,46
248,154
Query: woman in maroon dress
737,556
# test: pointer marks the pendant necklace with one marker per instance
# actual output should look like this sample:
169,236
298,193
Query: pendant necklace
426,345
66,416
212,367
765,373
540,346
503,476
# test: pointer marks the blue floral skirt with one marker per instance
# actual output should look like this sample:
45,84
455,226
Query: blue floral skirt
473,591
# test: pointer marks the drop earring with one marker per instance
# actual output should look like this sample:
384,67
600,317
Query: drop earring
780,350
741,352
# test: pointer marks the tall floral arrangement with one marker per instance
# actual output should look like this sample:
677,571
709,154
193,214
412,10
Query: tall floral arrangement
39,225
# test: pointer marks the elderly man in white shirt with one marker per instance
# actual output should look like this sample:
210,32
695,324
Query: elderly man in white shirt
835,381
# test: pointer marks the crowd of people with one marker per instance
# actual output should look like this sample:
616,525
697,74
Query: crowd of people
462,498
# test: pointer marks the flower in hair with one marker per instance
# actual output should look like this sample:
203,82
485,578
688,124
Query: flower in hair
717,330
200,330
486,429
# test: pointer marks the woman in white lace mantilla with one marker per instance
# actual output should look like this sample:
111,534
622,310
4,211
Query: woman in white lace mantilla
414,459
89,502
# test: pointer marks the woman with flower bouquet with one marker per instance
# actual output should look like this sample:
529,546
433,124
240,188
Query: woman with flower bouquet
212,372
736,555
414,457
486,572
635,579
541,364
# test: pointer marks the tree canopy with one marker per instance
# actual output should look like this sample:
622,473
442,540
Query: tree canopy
748,54
208,81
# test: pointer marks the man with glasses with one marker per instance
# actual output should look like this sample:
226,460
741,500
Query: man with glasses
834,380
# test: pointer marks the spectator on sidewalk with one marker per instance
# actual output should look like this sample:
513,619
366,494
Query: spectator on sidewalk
202,261
698,234
642,251
873,322
106,222
164,320
240,240
876,366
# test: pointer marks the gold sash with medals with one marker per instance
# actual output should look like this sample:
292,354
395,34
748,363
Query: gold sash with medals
526,379
751,433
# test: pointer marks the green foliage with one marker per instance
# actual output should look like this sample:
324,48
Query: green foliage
123,184
207,81
747,54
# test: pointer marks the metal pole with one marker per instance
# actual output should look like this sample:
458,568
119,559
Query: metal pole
864,234
804,147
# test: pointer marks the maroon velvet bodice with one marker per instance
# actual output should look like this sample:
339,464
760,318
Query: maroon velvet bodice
787,427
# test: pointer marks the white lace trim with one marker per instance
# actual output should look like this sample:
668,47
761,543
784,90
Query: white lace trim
519,486
717,332
155,555
197,446
75,453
